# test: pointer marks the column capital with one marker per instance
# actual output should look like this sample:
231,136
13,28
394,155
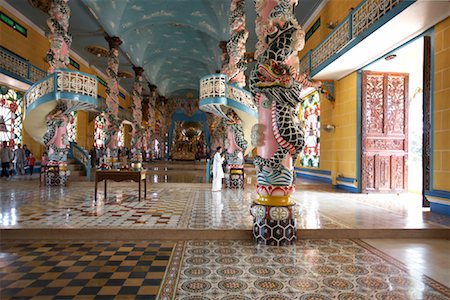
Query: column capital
113,41
138,71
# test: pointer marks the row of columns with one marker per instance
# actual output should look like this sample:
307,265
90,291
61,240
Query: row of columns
55,138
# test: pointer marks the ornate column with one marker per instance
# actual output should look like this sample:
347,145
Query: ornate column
55,139
234,65
136,141
236,45
59,37
112,92
279,138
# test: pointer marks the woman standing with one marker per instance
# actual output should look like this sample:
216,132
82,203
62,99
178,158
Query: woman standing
217,171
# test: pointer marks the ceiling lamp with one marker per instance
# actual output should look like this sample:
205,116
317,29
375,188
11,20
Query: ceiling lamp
390,57
97,51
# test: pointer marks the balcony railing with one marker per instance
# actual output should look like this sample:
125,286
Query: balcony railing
360,22
215,91
78,89
19,68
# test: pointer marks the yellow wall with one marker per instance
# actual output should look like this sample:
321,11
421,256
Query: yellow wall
344,118
334,11
34,48
441,174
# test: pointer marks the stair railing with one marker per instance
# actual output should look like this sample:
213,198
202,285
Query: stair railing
81,156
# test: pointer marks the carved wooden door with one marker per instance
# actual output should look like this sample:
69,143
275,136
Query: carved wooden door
384,131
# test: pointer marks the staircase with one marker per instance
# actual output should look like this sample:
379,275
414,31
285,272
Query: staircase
77,172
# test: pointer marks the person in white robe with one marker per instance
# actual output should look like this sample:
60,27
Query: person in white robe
217,171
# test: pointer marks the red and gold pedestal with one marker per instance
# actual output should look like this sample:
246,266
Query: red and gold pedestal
274,216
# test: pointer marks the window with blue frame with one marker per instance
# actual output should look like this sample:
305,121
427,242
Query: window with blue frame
310,116
11,116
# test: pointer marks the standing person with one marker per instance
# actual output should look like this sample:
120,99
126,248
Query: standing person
6,156
20,159
27,151
93,154
31,160
217,171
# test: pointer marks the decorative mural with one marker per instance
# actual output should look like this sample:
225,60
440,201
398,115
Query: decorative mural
277,87
310,116
11,116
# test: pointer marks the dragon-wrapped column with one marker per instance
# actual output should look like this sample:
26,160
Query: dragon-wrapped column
279,138
138,131
55,139
112,93
235,51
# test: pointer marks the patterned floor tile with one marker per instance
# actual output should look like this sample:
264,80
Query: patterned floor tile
312,269
85,270
191,205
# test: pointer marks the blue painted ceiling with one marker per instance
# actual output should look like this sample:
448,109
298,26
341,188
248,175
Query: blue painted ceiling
175,41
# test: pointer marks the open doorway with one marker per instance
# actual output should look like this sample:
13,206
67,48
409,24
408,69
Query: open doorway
398,166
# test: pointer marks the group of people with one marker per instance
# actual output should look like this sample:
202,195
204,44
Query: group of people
20,159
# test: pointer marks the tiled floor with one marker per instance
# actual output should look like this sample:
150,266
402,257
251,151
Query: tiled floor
214,269
312,269
103,270
192,205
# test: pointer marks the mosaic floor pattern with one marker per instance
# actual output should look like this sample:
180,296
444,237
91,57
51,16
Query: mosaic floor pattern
215,269
313,269
194,206
165,207
105,270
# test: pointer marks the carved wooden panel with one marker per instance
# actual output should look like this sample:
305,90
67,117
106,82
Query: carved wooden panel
395,106
368,178
379,144
374,105
384,131
382,173
398,172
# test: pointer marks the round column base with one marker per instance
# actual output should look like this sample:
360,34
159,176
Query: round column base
235,178
274,225
275,232
56,178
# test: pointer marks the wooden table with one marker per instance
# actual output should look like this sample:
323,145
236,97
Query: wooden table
136,176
